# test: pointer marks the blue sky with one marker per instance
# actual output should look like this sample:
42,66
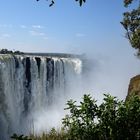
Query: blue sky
33,26
94,29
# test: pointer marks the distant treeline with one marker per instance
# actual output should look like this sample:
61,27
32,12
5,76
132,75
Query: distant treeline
6,51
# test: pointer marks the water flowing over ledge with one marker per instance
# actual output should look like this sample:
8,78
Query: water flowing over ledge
32,82
64,55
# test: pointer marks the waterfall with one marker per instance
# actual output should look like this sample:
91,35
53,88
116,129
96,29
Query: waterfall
30,83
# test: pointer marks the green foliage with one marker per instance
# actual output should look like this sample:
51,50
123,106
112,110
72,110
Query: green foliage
19,137
81,2
127,2
5,51
112,120
81,122
131,23
53,134
53,2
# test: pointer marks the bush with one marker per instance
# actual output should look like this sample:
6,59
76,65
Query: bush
19,137
112,120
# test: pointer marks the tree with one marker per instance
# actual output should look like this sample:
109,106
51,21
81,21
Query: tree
53,2
112,120
131,23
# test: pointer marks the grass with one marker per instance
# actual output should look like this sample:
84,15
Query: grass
52,135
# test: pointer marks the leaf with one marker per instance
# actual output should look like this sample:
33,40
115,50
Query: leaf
52,3
80,2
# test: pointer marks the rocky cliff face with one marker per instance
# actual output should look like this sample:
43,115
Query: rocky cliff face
134,86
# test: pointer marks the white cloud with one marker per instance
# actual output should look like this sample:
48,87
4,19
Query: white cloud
6,25
6,35
23,26
35,33
3,36
37,26
80,35
45,38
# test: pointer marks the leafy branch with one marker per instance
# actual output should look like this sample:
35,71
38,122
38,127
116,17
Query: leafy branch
52,2
131,23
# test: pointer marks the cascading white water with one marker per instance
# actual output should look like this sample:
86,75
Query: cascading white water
30,84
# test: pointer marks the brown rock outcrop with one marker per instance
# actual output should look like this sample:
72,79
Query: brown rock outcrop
134,86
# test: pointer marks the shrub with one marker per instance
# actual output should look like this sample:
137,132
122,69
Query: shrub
112,120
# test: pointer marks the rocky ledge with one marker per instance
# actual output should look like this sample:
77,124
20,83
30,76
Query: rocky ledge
134,86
